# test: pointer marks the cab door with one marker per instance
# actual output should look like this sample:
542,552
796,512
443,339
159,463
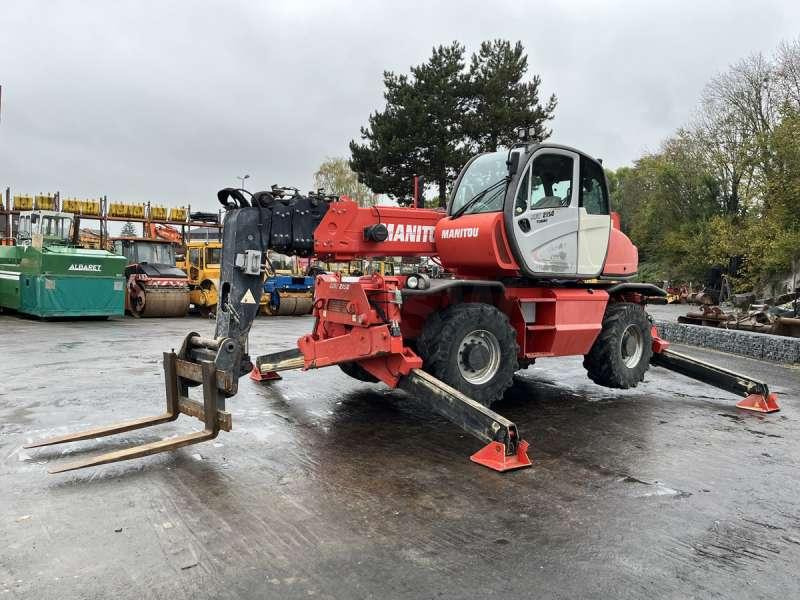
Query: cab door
594,219
546,215
194,264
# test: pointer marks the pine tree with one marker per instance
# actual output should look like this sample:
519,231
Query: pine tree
501,100
439,114
128,230
420,131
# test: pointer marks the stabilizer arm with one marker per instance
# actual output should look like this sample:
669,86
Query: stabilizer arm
758,398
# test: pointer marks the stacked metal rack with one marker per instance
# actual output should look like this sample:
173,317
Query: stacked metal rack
102,214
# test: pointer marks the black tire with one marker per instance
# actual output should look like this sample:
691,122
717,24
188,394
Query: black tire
356,371
430,333
621,353
449,342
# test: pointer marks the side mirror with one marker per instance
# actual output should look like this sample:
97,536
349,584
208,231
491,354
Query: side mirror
513,163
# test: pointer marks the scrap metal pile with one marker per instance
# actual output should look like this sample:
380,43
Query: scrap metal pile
776,316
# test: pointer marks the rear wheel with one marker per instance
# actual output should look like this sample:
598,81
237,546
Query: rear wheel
621,353
471,347
356,371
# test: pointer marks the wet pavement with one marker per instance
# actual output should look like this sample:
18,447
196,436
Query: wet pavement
330,488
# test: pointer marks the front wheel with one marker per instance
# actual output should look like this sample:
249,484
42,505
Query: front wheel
473,348
621,353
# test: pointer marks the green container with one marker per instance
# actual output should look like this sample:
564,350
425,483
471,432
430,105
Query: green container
58,281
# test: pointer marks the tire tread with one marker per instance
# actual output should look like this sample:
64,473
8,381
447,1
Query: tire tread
603,363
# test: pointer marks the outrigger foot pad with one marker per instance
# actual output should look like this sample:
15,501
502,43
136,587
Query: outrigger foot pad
257,375
760,403
493,455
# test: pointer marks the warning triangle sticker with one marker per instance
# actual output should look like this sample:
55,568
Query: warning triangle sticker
248,298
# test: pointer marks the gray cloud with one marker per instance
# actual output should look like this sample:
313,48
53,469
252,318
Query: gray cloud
169,101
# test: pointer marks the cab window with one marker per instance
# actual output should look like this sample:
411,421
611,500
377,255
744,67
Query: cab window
485,174
50,227
213,256
523,193
194,256
594,196
25,227
551,181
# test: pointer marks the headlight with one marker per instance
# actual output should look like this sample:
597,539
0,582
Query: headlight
418,281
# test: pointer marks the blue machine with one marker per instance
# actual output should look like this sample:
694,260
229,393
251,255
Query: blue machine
288,295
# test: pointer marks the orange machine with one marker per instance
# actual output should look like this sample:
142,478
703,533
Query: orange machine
163,232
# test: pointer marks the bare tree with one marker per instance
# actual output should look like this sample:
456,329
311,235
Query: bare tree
335,177
748,93
787,60
738,111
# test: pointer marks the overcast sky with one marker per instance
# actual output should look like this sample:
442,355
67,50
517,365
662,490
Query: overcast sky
168,101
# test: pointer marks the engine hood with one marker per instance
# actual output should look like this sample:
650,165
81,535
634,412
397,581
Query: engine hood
159,270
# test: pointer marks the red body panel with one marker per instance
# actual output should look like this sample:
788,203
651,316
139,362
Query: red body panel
362,321
623,257
470,246
475,245
565,321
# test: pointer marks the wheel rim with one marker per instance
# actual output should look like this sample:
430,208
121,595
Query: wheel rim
631,346
479,356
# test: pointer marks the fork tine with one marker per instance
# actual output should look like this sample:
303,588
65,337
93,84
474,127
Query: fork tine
164,445
97,432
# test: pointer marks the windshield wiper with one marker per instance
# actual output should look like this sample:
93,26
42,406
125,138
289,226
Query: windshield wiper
474,200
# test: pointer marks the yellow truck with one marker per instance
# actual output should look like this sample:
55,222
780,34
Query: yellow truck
201,264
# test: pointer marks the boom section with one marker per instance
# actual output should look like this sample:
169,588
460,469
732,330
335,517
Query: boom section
348,231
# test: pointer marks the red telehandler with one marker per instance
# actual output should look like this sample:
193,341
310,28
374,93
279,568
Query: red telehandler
541,269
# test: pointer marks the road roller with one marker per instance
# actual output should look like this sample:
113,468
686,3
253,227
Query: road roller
155,287
288,295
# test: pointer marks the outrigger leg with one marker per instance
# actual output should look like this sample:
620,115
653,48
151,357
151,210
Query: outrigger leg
267,367
758,398
504,449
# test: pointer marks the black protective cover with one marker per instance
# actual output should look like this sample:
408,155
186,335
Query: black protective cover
155,270
281,233
308,213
